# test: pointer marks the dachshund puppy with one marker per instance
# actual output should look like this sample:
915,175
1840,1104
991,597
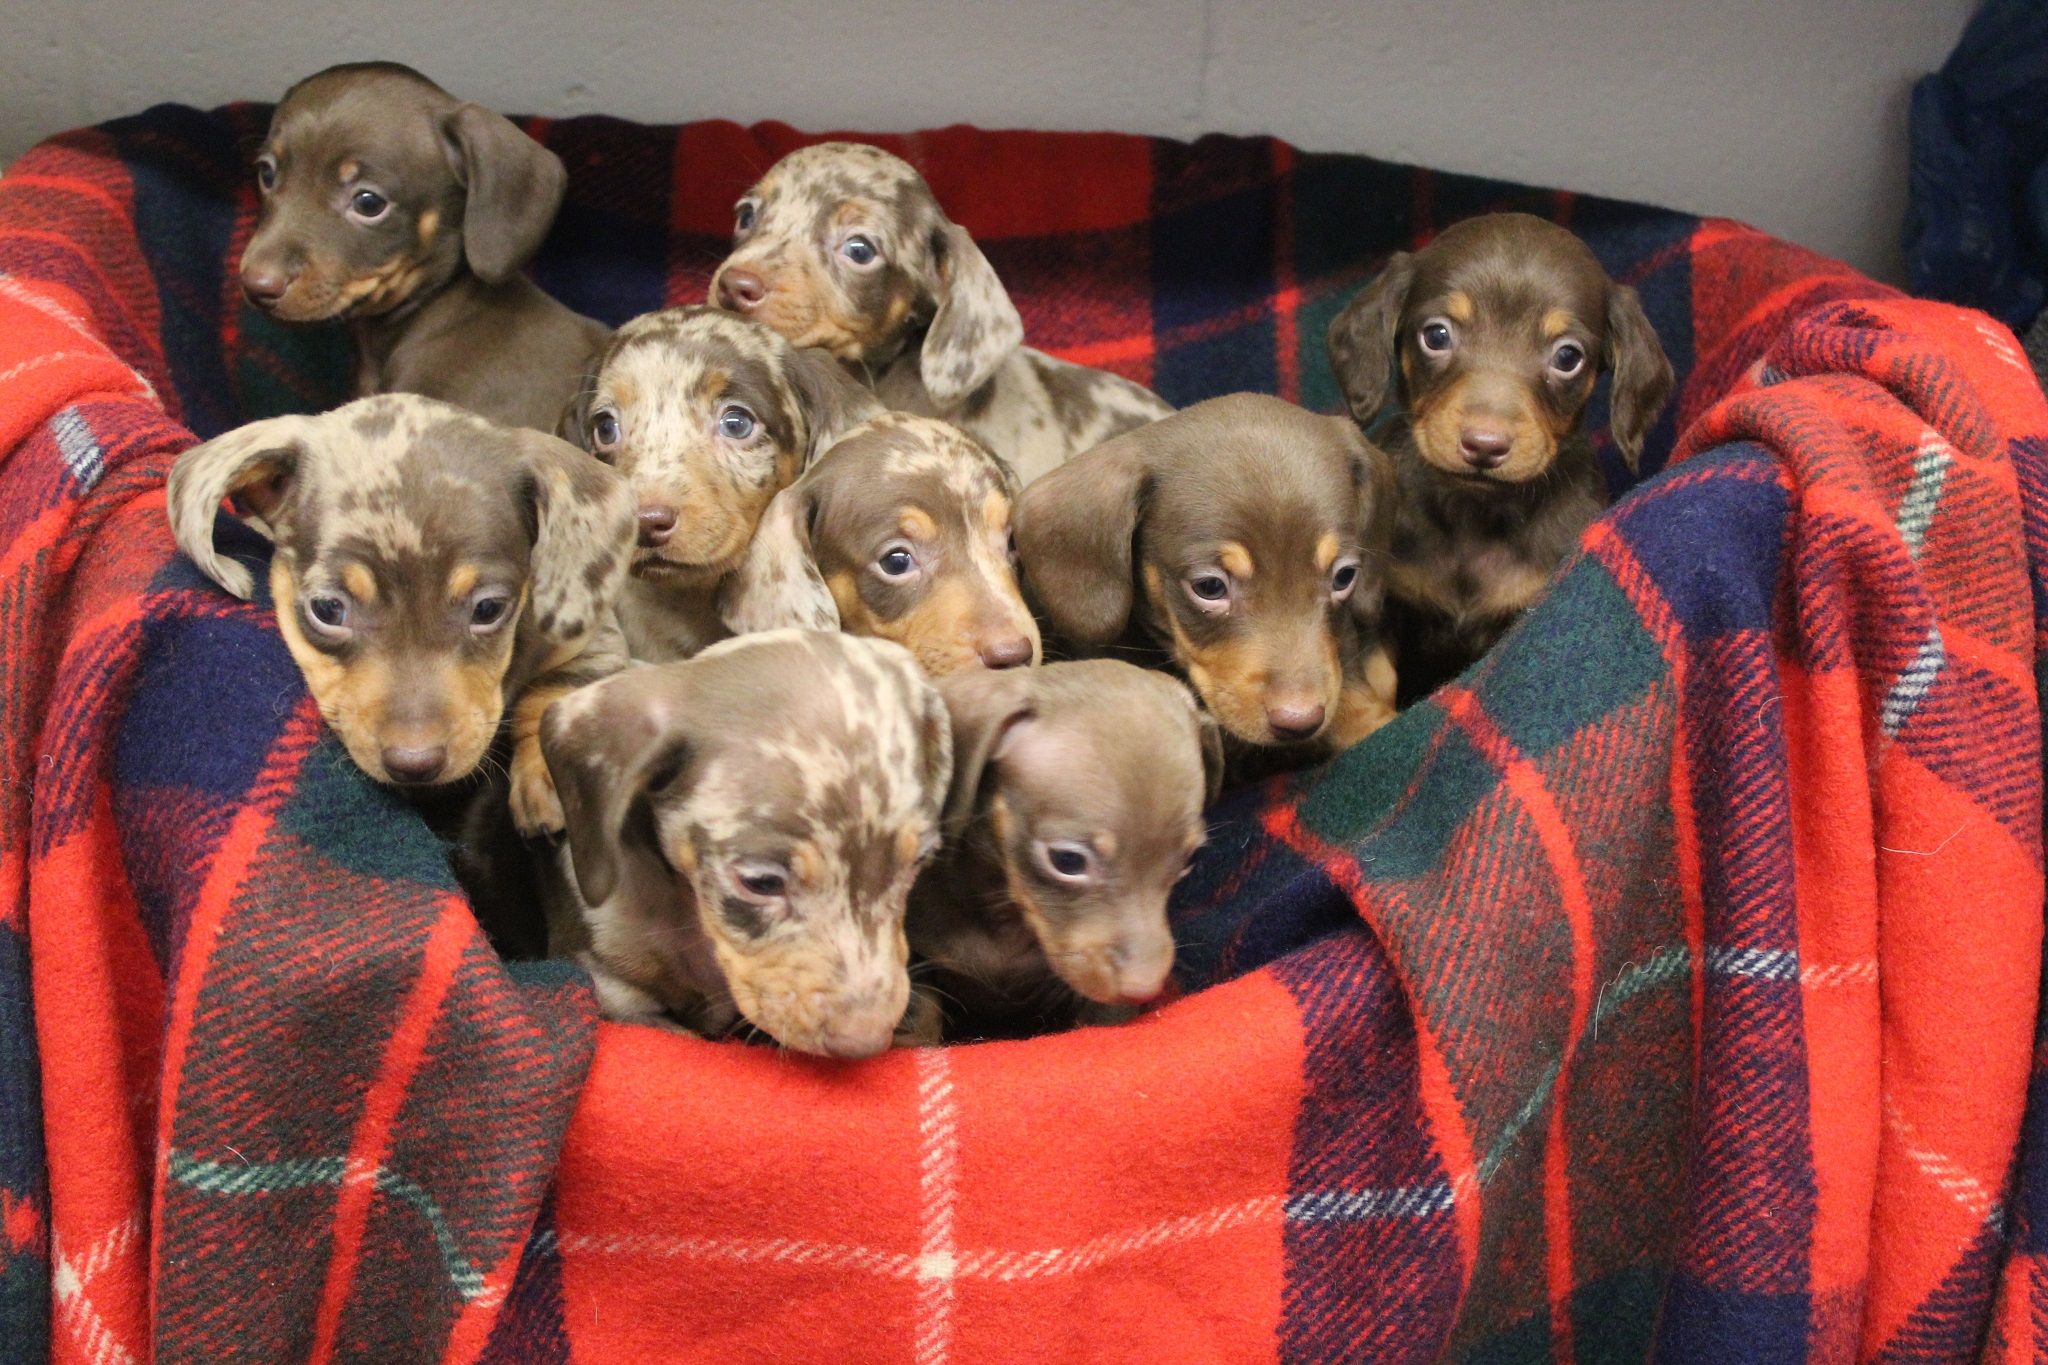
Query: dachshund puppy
431,569
708,416
1243,537
1076,802
392,205
1490,339
902,531
744,829
842,246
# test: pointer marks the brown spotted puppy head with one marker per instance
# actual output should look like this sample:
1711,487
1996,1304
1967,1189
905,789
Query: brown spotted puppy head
427,564
379,187
1496,331
1091,777
708,416
1245,535
900,531
843,247
790,785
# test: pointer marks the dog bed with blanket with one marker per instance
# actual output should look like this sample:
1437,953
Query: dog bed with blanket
1669,986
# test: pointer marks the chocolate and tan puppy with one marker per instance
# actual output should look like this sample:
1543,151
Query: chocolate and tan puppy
1075,805
1489,340
395,207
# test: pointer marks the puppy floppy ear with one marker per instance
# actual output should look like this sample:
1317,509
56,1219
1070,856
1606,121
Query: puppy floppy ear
607,746
1378,495
1075,527
585,523
1362,339
833,401
976,327
986,708
259,463
778,583
1210,735
1641,372
514,186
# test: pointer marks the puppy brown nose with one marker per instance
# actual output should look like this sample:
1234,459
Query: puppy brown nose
1294,720
1014,652
1484,447
657,522
265,284
408,763
741,290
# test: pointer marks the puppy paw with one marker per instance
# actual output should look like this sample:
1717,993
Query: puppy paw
536,807
1365,704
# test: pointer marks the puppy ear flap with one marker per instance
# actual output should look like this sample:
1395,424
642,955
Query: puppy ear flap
778,583
1641,372
259,463
585,523
1075,528
1378,496
607,745
1210,736
987,707
833,401
976,327
514,185
1361,339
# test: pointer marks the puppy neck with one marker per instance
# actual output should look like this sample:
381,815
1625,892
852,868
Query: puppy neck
457,303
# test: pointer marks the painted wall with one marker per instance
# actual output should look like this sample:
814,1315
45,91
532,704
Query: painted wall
1787,113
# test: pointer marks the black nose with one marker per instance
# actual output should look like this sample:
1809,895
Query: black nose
265,284
1011,653
656,523
1295,720
1484,447
741,290
414,763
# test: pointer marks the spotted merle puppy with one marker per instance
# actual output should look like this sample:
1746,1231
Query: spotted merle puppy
432,571
1487,343
395,207
843,247
744,830
708,416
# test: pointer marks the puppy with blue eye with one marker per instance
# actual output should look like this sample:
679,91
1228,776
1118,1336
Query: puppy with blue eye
1472,361
395,207
1075,804
432,572
708,416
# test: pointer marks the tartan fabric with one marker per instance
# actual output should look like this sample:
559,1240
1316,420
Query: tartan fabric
1667,987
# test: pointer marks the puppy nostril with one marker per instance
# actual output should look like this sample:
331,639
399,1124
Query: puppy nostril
1295,720
1012,653
657,521
414,763
265,284
1484,448
741,290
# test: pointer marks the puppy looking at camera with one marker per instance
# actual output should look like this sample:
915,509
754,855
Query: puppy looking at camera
431,571
744,829
1244,539
843,247
708,416
1075,805
900,531
393,206
1489,341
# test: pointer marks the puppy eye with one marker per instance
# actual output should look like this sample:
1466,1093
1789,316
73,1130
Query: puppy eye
1437,336
1343,579
367,206
1211,590
1567,359
859,250
1067,861
266,173
736,423
896,561
762,882
743,216
487,612
329,612
604,429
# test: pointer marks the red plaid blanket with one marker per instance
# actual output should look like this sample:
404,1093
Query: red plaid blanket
1668,986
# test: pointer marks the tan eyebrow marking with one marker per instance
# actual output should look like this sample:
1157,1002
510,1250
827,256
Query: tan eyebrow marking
917,524
461,581
348,170
1237,559
359,583
1556,323
1459,306
1326,550
995,510
429,224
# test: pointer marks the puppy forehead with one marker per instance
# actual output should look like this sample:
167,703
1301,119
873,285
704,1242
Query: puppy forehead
1121,754
825,176
397,473
693,333
1511,267
386,121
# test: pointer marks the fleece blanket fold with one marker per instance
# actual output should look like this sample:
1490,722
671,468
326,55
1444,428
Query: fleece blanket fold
1667,987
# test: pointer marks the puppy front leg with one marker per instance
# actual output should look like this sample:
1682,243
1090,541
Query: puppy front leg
1366,702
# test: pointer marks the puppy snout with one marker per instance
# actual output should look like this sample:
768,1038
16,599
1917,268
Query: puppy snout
1484,445
415,763
741,290
1141,970
1295,718
265,284
657,524
1007,651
